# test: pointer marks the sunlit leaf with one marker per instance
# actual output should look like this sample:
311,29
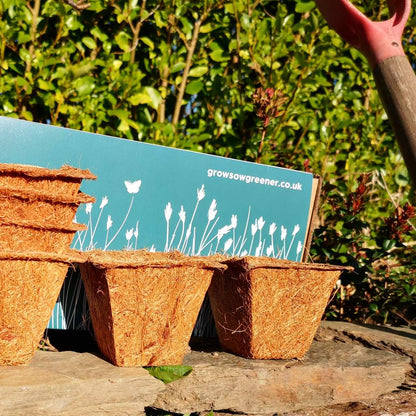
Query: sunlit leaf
194,87
123,41
198,71
84,85
169,373
89,42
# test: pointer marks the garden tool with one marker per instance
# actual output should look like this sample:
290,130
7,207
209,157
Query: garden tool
380,42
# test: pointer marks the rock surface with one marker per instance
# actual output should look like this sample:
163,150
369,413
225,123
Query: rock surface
330,373
69,383
349,370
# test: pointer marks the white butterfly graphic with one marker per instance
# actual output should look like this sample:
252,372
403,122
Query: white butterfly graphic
133,187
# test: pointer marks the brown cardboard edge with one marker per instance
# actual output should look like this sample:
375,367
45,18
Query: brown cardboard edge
313,215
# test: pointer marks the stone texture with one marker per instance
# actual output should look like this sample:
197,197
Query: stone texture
330,373
396,339
347,364
399,340
399,403
69,383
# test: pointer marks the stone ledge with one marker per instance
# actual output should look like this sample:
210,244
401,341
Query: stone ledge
69,383
346,363
330,373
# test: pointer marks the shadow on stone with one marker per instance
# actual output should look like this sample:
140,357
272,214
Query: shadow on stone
403,332
72,340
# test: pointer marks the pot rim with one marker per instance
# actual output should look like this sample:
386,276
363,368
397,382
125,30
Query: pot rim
34,171
143,258
69,257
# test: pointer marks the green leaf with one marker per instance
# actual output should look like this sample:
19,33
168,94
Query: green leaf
169,373
8,107
89,42
194,87
218,117
187,27
44,85
218,56
373,307
84,85
95,31
388,244
148,42
27,115
304,6
234,6
402,177
23,37
125,121
147,95
410,289
24,54
160,22
198,71
206,28
288,20
178,66
245,21
123,41
123,126
72,23
116,64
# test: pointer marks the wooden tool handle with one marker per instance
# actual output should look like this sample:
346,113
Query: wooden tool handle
396,84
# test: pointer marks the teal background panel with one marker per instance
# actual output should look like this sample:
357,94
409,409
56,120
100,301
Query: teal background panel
160,198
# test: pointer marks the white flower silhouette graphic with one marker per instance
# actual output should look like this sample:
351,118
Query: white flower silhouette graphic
234,221
272,230
129,235
296,229
191,236
182,214
228,244
233,225
222,231
133,187
168,211
136,234
109,222
182,218
261,223
104,202
88,207
200,193
212,212
298,249
254,228
168,214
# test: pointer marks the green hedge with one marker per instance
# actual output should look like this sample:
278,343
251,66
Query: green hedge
183,73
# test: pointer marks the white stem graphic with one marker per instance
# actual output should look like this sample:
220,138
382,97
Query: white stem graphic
189,229
243,240
122,224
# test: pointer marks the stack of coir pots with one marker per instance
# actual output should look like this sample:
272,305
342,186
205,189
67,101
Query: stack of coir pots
37,209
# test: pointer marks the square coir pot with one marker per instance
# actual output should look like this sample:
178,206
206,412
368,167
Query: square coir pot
267,308
144,305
